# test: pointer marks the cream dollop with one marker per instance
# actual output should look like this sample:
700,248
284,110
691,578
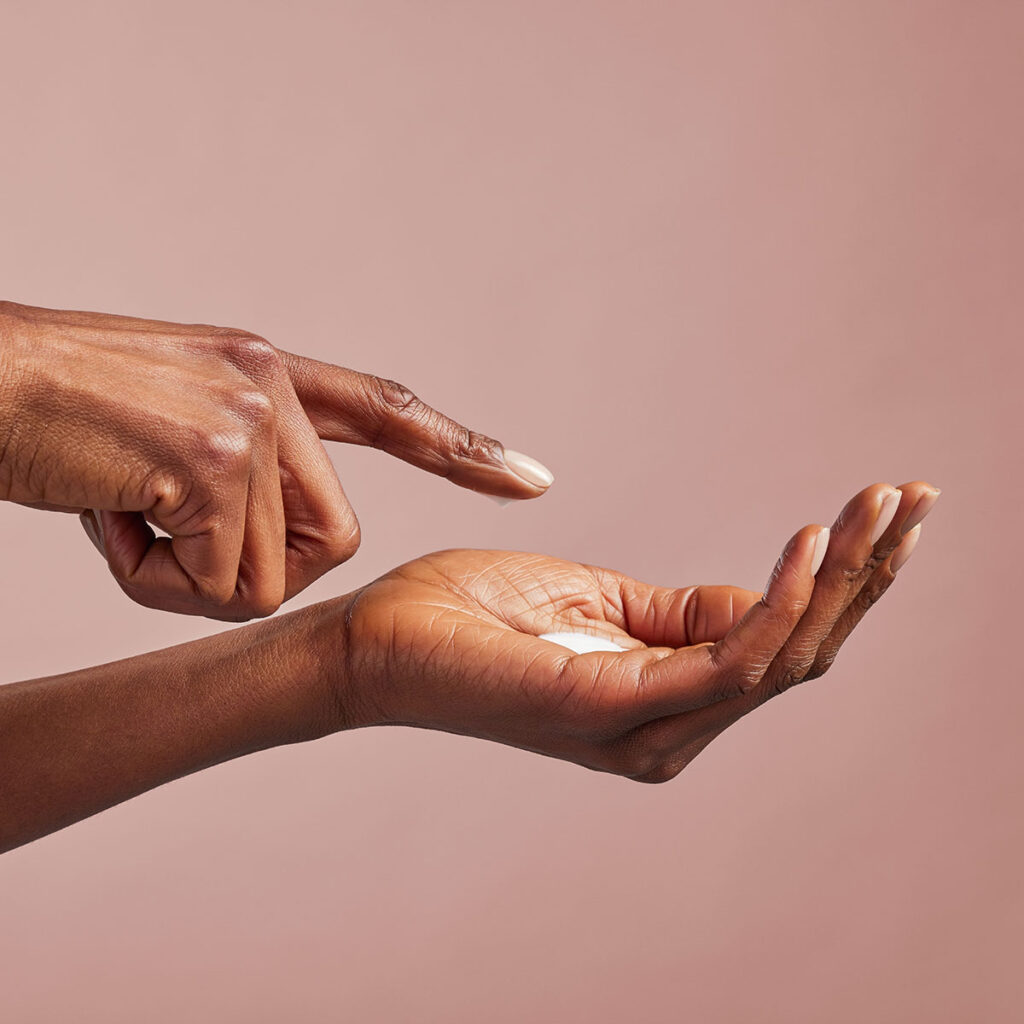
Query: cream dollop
581,643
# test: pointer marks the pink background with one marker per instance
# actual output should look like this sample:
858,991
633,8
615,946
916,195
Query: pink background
719,265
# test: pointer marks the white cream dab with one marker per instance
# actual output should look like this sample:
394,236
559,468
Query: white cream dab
581,643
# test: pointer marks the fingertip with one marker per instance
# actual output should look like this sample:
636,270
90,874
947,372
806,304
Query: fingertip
915,485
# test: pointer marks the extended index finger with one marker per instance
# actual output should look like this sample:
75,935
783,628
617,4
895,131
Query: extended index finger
359,408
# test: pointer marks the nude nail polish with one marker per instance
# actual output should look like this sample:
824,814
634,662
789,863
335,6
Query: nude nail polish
890,503
820,547
924,505
905,549
532,471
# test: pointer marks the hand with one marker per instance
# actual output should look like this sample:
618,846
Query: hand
213,436
450,641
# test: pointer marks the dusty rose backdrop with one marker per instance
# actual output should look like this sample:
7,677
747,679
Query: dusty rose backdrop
717,264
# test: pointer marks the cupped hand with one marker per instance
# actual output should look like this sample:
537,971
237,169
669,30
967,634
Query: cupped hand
213,436
451,642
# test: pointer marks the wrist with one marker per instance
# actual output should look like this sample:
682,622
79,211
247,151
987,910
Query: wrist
339,697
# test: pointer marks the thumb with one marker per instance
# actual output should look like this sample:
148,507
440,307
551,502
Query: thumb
358,408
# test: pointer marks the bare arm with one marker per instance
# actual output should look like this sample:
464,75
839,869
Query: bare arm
214,437
73,744
452,641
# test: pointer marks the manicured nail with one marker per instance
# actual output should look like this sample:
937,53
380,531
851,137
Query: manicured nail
820,547
532,471
924,505
93,530
905,549
890,503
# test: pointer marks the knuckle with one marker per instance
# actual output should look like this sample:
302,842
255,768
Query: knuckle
214,591
473,447
256,593
780,612
343,540
227,448
821,665
791,676
793,672
749,675
392,401
851,574
253,406
162,487
258,605
250,352
393,396
736,680
871,594
347,543
854,574
791,610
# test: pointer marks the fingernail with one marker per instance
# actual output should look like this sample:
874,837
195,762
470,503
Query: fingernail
890,503
820,547
500,501
532,471
924,505
93,530
905,549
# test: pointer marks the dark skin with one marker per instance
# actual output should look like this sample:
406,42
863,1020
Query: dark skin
213,436
450,641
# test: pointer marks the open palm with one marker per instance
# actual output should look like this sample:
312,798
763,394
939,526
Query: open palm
451,641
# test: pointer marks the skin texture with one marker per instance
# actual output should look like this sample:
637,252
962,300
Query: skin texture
449,642
213,436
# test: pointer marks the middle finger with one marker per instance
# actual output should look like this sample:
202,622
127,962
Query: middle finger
859,542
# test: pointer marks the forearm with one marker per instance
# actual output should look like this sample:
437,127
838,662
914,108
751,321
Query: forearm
74,744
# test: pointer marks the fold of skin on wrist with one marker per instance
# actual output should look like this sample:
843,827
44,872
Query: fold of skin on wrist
74,744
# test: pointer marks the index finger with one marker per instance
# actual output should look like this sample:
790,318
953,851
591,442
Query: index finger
359,408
